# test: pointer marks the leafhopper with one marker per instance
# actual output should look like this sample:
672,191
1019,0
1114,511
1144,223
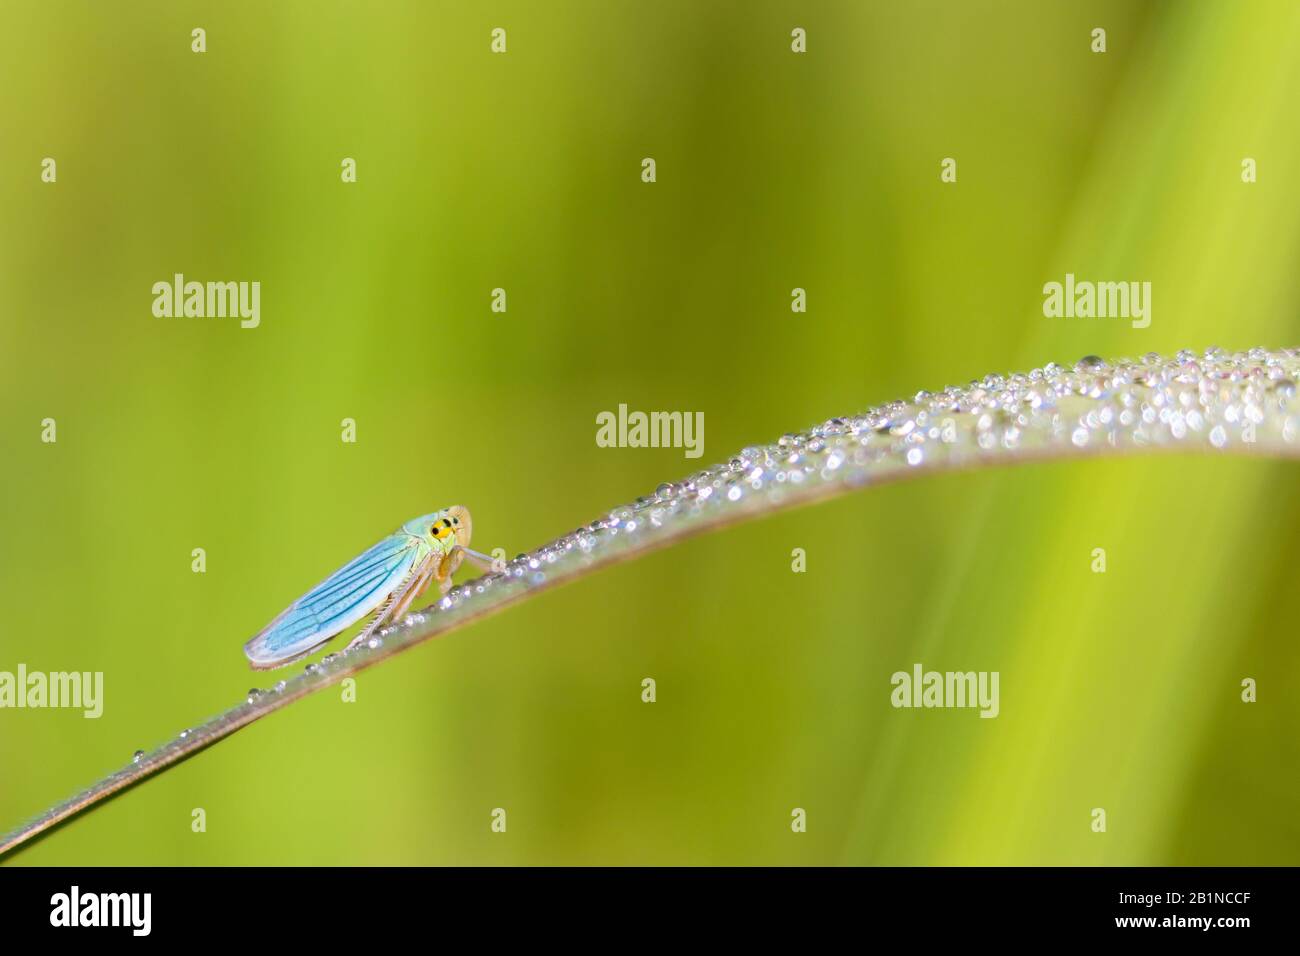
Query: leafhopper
382,582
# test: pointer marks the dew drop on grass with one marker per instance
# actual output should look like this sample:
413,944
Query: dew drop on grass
1190,402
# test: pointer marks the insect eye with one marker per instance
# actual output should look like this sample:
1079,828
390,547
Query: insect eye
455,521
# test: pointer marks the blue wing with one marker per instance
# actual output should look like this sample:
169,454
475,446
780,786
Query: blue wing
338,602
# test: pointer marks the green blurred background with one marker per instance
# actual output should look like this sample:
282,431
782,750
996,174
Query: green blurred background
522,171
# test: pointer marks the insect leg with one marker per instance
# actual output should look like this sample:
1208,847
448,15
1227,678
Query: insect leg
414,591
443,571
398,602
484,562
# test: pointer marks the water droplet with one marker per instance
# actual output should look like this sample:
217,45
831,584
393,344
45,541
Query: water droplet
137,756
